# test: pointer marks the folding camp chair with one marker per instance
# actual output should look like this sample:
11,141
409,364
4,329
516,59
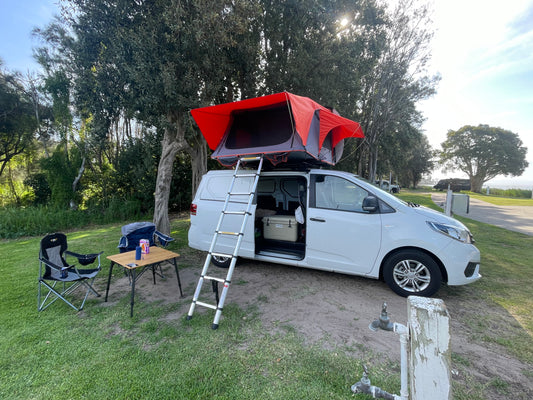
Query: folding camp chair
54,270
134,232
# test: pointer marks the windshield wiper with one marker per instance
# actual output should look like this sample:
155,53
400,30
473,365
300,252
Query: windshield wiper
411,204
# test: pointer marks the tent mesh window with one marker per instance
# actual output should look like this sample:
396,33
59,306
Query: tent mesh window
260,128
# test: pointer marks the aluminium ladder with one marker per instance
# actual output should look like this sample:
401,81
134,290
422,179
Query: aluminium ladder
249,174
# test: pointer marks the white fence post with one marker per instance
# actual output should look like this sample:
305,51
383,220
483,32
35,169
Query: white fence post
449,202
430,361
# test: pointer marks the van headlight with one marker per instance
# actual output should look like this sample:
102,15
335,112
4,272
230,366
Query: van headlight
455,232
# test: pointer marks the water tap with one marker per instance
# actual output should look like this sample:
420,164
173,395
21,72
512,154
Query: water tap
383,322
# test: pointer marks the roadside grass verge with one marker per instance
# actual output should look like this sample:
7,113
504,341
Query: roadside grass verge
501,201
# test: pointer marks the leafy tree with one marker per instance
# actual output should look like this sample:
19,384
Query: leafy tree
17,119
415,158
320,49
484,152
153,62
40,187
397,82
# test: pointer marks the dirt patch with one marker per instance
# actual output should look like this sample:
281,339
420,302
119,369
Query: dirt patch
335,310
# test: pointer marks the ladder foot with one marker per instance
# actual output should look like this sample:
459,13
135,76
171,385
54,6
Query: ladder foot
189,317
214,326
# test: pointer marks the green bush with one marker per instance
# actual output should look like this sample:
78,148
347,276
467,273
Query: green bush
39,220
514,193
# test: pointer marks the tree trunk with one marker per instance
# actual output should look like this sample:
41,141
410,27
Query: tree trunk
173,141
198,154
73,204
476,183
372,163
12,185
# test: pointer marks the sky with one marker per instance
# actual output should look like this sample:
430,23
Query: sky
483,50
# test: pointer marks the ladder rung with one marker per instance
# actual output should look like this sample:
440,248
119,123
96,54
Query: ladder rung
250,158
240,193
222,255
214,278
211,306
236,212
228,233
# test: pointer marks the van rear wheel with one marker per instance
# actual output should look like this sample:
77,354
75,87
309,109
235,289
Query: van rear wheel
412,272
221,262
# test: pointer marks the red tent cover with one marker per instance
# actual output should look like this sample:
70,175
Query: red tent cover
282,126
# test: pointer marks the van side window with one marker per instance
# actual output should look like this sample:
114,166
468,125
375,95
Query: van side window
334,193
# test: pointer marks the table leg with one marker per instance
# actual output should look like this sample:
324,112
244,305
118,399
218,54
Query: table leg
109,279
132,290
178,275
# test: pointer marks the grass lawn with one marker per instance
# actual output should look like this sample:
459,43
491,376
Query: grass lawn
506,268
102,353
501,201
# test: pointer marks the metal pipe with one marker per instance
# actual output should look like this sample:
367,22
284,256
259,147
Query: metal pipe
403,331
364,386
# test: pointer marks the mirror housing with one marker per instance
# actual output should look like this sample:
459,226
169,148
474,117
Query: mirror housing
370,204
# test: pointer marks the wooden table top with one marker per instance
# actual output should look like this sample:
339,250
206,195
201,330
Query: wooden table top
156,255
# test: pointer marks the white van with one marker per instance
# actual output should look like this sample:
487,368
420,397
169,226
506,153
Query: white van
349,226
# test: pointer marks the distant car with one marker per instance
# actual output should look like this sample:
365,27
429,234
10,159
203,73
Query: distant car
455,184
387,186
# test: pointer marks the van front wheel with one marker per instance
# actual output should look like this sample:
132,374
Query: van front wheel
221,262
411,272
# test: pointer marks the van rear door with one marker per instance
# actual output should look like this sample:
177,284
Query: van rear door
340,235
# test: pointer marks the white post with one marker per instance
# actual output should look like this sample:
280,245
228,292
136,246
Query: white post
430,360
449,202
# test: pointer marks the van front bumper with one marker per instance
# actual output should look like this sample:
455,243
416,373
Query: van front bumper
462,262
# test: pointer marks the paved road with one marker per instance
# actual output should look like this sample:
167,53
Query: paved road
513,218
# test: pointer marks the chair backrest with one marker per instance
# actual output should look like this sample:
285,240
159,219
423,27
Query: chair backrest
134,232
52,248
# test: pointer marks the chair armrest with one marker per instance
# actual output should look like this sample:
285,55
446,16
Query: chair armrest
52,265
163,239
123,243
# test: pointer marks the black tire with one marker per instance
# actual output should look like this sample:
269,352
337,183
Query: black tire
221,262
412,272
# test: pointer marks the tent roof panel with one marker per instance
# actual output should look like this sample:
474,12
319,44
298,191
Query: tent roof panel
214,121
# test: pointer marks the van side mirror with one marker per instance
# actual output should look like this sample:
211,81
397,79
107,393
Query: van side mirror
370,204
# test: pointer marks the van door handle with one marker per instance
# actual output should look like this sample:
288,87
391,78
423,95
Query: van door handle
318,219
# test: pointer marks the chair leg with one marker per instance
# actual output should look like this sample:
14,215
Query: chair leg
51,290
90,288
61,295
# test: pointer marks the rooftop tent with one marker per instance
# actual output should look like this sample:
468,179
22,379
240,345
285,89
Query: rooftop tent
285,127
